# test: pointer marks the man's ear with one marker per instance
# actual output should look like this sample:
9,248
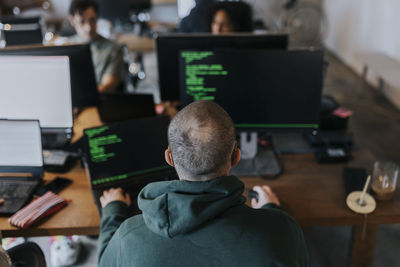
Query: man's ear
168,157
235,157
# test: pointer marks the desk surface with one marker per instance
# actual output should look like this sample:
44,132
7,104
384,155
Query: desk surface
312,193
78,217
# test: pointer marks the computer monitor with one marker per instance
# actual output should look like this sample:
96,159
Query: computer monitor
36,88
168,47
259,89
127,152
121,9
21,31
83,79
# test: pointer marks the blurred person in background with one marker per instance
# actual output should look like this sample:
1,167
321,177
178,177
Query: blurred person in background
230,17
107,56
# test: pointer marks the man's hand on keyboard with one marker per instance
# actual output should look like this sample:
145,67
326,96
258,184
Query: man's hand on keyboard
114,194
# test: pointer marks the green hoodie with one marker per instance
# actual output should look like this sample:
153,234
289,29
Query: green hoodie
199,224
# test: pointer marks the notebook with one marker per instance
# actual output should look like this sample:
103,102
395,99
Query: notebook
21,163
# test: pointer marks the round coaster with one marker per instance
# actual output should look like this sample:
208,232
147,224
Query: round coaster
353,200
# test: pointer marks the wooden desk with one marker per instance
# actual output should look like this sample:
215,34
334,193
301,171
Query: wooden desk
135,43
312,193
80,217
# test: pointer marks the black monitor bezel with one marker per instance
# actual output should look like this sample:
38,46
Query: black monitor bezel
168,92
140,177
125,8
36,33
284,127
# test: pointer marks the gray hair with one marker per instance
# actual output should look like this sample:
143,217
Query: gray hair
202,138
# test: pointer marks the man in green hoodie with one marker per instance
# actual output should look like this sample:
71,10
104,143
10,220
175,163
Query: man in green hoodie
201,219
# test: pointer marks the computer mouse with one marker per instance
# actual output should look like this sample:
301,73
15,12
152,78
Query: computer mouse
253,194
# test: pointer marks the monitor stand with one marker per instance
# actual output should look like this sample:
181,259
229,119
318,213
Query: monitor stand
258,160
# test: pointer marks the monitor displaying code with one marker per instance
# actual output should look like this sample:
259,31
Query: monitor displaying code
127,149
259,89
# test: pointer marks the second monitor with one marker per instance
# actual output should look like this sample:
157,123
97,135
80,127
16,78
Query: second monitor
168,47
259,89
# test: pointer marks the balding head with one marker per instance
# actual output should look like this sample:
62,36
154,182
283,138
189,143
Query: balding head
202,139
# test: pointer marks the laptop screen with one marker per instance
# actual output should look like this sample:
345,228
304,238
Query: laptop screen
20,144
127,149
36,88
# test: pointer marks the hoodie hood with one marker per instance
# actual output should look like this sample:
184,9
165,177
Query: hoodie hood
177,207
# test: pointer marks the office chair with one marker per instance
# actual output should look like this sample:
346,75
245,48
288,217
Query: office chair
27,254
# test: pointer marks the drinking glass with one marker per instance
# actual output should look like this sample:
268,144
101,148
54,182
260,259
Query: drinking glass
384,179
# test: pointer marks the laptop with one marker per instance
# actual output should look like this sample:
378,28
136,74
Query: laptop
38,88
120,107
127,154
21,163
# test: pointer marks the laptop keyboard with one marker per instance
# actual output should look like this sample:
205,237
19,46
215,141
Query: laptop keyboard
15,189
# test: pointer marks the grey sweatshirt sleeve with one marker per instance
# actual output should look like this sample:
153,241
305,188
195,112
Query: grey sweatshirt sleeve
112,216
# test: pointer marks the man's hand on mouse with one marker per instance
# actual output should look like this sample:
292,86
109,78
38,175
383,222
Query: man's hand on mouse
265,196
114,194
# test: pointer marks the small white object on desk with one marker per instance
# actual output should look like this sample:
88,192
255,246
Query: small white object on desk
360,201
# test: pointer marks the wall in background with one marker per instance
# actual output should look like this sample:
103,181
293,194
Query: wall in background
60,7
355,26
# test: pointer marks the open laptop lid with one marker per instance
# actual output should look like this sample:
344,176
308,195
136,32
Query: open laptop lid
36,88
21,147
122,153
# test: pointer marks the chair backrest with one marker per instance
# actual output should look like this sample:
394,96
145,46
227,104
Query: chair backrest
27,254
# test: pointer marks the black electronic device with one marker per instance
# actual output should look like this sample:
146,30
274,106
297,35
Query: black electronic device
354,179
169,46
319,138
55,186
332,155
259,89
121,10
127,154
21,31
120,107
83,80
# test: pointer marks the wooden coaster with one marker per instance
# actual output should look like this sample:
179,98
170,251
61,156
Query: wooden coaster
368,206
